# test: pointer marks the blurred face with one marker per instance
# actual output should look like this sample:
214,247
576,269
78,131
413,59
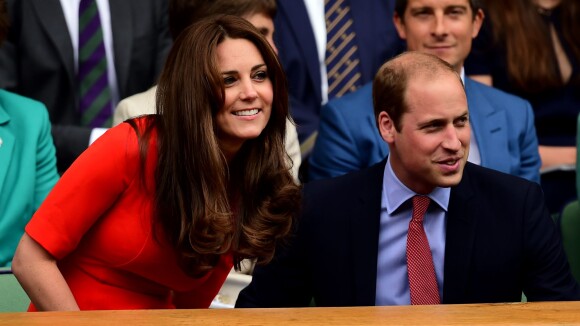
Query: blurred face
431,148
444,28
265,25
547,4
248,94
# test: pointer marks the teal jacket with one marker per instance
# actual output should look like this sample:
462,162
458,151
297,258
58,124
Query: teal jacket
27,166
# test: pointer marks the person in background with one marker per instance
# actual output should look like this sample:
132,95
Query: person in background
330,48
503,135
424,226
184,195
183,13
27,160
531,48
79,57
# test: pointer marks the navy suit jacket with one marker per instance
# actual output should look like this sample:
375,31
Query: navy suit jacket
348,138
377,42
500,241
37,60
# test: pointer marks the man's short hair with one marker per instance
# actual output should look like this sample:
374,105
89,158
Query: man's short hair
390,83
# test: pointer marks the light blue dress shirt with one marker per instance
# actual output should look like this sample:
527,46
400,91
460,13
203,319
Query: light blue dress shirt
396,209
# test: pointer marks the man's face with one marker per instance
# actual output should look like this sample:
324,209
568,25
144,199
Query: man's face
444,28
431,147
265,25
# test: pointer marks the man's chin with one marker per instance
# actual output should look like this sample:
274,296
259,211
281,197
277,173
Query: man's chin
451,180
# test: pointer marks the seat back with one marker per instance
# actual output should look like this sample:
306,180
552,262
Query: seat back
570,220
570,228
578,156
12,296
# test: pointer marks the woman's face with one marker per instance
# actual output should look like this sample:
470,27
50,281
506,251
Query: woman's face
248,94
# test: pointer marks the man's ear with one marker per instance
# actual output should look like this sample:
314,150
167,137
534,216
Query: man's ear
477,22
400,26
386,127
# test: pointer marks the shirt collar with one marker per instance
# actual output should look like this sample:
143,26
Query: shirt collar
395,193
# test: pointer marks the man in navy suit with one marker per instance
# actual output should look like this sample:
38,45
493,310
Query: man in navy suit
299,51
489,235
38,60
503,132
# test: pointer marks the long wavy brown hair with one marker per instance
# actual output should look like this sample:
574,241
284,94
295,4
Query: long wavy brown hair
204,205
530,55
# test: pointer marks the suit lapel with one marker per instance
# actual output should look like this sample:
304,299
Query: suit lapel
302,30
461,225
6,146
365,221
122,27
490,129
51,16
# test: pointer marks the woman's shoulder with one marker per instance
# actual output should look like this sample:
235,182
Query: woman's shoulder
136,127
16,105
24,115
129,135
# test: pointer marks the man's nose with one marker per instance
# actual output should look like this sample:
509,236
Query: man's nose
439,25
452,141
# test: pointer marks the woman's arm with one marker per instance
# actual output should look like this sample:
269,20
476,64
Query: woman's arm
557,155
36,270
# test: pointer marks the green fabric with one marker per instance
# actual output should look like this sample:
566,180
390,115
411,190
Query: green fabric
12,296
27,166
570,227
578,156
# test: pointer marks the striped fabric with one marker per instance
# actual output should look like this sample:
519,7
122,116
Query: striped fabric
342,61
94,93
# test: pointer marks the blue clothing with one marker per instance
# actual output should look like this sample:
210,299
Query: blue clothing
555,110
396,212
500,242
27,166
503,124
377,42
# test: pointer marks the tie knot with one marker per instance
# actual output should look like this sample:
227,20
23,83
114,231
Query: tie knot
420,204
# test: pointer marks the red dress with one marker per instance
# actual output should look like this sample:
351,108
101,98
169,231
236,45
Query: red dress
97,223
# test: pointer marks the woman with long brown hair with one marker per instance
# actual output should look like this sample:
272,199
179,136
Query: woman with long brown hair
155,213
532,48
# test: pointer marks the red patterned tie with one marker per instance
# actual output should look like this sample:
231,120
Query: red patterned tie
422,280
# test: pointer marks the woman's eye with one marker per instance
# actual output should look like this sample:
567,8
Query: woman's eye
229,80
260,75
